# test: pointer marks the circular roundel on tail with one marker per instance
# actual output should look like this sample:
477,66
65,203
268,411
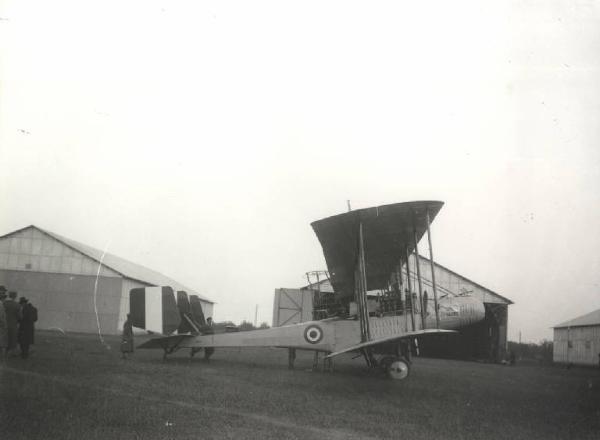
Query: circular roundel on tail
313,334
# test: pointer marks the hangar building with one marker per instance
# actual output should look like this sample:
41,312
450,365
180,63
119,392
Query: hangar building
485,340
578,341
74,286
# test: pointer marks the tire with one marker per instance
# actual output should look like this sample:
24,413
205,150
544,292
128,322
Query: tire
398,369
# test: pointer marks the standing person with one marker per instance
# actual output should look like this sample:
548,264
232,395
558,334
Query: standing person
291,358
13,316
127,338
26,326
208,330
512,358
3,324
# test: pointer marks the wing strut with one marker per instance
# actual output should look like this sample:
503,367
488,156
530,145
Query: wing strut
410,292
419,280
435,296
403,303
361,288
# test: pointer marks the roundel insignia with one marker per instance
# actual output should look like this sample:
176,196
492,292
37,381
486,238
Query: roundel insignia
313,334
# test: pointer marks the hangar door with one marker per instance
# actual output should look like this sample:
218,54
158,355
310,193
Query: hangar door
292,306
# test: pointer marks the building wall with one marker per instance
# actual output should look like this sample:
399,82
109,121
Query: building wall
292,306
577,345
66,301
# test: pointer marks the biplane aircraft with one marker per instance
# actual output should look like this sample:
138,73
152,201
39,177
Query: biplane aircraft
365,250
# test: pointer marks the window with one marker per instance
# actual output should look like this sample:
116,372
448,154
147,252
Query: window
588,345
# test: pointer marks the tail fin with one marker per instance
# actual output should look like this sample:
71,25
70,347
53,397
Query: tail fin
188,324
154,309
197,312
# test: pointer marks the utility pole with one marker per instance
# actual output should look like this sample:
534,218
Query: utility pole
256,316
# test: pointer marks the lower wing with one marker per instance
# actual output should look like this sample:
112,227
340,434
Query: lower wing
388,339
166,342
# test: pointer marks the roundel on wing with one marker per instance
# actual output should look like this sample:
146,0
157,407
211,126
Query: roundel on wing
313,334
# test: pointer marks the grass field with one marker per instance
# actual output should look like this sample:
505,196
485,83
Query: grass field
74,388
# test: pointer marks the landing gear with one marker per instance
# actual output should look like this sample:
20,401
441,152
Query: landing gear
395,367
328,365
167,351
193,352
291,358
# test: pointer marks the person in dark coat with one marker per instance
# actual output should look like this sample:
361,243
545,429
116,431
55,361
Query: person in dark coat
208,330
26,326
127,338
13,316
3,326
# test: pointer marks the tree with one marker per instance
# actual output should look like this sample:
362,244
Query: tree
246,326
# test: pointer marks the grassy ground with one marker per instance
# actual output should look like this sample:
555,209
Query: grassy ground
74,388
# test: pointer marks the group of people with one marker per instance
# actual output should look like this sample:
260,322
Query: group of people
16,324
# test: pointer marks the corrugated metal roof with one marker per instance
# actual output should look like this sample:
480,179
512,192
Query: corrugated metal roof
491,292
122,266
592,318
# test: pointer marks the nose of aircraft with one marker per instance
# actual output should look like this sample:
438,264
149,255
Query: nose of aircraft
460,311
471,311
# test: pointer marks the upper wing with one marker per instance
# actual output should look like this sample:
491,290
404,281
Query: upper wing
388,339
389,234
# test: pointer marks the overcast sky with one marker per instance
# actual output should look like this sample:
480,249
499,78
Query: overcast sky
201,138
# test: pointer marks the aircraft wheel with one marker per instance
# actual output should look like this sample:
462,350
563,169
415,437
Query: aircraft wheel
398,369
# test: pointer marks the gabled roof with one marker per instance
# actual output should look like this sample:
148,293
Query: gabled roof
592,318
508,301
124,267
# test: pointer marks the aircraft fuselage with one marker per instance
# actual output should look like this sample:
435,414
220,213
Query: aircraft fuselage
331,335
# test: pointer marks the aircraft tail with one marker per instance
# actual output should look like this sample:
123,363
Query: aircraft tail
187,324
154,309
196,310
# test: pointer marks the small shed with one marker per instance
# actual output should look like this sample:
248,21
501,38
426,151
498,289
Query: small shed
578,341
